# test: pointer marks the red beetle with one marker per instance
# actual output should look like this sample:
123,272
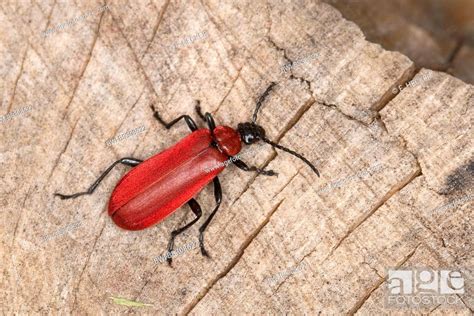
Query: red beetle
158,186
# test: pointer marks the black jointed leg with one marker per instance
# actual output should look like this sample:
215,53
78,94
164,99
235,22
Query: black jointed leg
242,165
189,121
199,111
194,205
210,122
207,117
126,161
218,198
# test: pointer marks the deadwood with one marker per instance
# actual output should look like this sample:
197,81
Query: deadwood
394,149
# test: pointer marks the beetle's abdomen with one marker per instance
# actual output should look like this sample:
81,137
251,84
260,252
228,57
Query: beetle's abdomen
158,186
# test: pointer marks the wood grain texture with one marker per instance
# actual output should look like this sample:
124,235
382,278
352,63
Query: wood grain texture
389,159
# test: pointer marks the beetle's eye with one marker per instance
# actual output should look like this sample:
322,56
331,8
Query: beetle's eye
249,138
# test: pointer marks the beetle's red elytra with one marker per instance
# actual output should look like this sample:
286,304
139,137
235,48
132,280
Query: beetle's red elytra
158,186
161,184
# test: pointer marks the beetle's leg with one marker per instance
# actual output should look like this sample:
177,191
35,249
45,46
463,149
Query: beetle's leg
242,165
210,121
205,117
189,121
194,205
198,110
126,161
218,197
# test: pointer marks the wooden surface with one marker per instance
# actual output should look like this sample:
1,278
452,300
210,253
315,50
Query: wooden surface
389,158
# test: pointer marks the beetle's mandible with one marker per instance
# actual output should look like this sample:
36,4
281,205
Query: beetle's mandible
158,186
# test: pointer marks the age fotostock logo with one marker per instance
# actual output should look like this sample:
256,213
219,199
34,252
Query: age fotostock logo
425,287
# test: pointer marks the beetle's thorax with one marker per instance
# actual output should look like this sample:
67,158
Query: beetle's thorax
228,140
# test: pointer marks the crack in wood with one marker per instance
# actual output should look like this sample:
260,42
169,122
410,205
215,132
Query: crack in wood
389,95
398,187
155,29
435,234
405,146
218,23
49,16
124,118
347,116
465,304
46,65
135,56
28,192
76,288
18,78
56,162
286,184
234,261
228,92
89,57
377,284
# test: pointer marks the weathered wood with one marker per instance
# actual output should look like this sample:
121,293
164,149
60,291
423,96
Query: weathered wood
295,243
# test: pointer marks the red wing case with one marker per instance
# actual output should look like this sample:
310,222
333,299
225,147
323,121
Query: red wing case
161,184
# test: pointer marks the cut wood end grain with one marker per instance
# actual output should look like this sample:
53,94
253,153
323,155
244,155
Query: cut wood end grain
396,165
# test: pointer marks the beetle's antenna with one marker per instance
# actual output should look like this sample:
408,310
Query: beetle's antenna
266,140
260,101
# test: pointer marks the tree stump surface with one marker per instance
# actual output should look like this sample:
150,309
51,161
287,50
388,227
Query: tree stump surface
394,147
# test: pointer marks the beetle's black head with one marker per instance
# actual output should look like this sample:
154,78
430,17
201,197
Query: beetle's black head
250,133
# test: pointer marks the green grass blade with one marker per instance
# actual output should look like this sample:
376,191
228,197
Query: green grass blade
126,302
